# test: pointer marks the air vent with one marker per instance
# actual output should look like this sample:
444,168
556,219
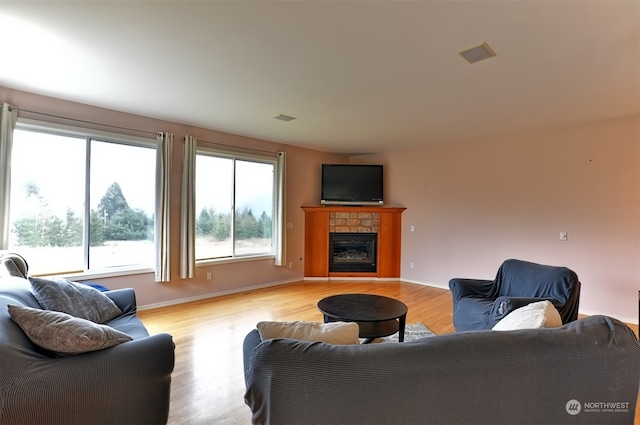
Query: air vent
477,53
283,117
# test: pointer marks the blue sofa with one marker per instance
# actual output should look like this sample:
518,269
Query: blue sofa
129,383
480,304
583,373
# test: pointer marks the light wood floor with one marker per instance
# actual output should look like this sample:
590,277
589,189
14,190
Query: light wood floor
208,380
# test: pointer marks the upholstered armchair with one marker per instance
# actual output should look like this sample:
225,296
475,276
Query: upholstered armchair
480,304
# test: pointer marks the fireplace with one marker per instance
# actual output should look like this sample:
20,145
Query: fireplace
353,252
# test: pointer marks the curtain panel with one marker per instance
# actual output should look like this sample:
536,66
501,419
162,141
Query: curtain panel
187,210
164,149
8,119
280,216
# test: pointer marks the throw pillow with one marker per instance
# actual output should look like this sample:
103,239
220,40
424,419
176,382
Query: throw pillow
64,333
338,333
75,299
541,314
13,264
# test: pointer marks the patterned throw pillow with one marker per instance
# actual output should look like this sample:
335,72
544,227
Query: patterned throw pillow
75,299
62,333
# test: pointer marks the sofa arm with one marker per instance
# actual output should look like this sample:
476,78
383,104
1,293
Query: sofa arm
251,341
125,299
461,288
126,384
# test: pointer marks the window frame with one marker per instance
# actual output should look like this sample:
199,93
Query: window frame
266,159
88,134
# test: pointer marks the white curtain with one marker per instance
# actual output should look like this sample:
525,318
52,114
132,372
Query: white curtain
279,220
164,148
8,118
187,210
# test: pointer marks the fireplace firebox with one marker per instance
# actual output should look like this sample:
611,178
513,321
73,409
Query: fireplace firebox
353,252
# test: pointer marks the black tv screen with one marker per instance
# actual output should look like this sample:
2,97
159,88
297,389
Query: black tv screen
352,184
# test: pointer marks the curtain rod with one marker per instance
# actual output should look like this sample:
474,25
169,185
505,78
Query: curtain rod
82,121
235,147
154,133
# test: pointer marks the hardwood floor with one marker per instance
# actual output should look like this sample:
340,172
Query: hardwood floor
208,380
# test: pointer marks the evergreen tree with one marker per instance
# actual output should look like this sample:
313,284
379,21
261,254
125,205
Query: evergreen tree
205,222
127,225
96,229
113,201
222,226
265,225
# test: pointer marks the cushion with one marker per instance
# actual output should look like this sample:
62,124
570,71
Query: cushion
64,333
541,314
339,333
12,264
75,299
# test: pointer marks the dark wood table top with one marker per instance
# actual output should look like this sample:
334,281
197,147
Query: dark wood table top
362,307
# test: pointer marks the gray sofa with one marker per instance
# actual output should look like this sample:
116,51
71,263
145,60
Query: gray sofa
585,372
125,384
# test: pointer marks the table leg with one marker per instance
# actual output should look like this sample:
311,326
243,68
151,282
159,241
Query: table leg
402,320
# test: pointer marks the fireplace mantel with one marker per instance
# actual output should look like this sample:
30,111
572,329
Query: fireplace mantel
321,220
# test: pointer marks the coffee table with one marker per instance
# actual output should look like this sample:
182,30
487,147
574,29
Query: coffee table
377,316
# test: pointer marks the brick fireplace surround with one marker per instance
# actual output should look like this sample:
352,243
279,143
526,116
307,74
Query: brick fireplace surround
320,221
353,222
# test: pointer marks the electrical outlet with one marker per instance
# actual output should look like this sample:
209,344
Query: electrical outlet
411,265
209,275
413,228
563,236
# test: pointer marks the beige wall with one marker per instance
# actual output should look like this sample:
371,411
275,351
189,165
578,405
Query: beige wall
473,204
302,183
477,203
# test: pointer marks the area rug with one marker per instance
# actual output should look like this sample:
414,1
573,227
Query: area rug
411,333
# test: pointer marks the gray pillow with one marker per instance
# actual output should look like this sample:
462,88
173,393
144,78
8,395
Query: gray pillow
75,299
63,333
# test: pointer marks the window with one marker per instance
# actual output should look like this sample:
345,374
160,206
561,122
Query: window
235,204
81,202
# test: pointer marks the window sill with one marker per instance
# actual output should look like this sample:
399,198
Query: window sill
216,261
120,271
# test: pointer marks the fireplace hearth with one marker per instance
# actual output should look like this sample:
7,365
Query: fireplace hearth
353,252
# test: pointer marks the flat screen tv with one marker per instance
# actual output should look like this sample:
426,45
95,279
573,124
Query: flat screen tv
352,184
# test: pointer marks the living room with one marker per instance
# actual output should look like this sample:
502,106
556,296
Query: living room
470,203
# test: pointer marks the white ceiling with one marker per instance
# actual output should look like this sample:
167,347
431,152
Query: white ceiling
360,76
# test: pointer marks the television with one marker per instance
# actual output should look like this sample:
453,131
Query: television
352,184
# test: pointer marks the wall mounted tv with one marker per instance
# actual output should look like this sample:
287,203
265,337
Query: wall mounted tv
352,184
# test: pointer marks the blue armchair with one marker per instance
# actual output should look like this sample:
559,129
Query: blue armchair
480,304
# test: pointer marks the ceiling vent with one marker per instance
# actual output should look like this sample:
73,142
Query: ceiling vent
477,53
283,117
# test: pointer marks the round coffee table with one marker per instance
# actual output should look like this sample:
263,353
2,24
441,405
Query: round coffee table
377,316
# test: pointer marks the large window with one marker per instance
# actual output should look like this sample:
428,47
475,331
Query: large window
81,202
234,206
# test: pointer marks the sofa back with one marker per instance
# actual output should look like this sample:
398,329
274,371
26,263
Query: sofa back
550,376
517,278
